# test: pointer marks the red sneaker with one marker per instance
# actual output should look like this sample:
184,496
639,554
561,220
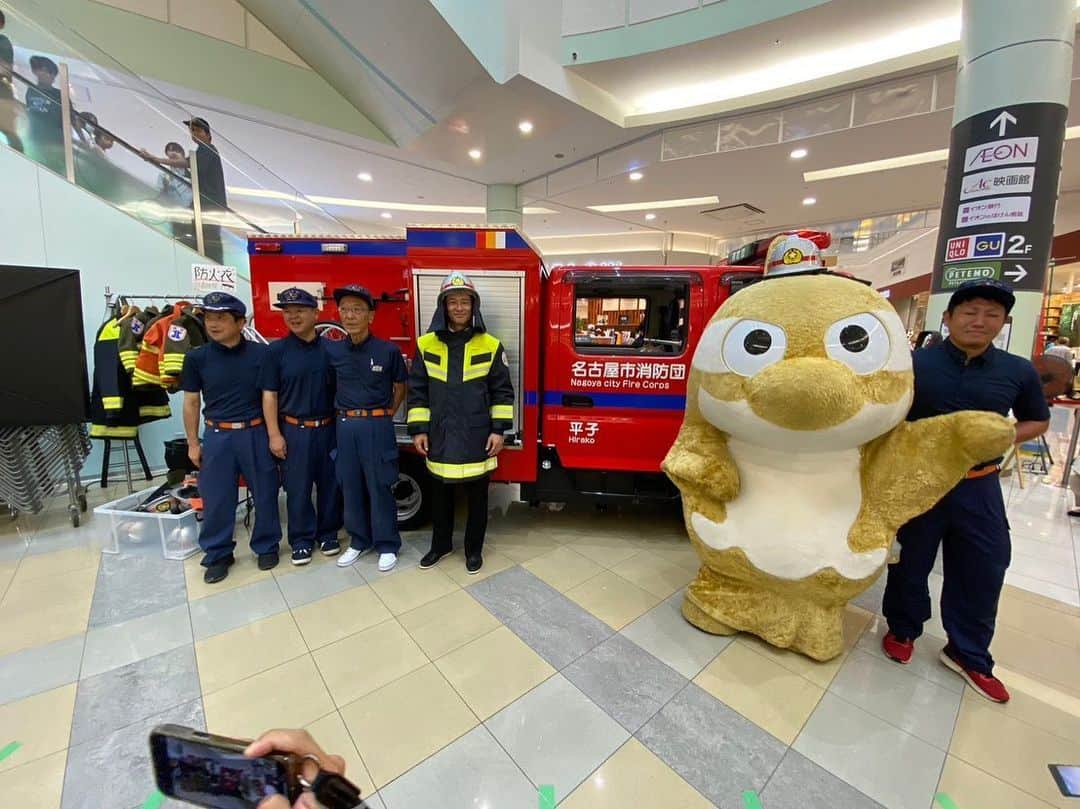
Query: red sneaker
897,649
986,685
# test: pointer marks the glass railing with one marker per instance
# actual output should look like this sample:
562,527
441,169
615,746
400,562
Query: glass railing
75,110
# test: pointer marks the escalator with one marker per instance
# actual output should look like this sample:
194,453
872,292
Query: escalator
74,110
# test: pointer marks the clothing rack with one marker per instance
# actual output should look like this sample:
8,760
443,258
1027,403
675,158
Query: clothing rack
110,299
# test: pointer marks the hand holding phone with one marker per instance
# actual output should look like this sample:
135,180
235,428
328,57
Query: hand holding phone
273,772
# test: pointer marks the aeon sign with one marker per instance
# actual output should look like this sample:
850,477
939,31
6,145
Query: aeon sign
1001,153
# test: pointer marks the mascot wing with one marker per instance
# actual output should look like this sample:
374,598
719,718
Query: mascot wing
700,464
909,469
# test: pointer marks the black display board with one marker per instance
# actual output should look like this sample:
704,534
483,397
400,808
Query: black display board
997,220
43,376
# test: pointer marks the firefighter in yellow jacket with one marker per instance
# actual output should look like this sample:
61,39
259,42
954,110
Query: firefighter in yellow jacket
461,401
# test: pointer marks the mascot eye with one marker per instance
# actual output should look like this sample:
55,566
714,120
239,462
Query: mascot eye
860,342
752,345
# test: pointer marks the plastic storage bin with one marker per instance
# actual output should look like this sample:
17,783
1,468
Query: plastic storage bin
135,530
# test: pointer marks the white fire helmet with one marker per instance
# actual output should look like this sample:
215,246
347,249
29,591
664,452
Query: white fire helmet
457,281
792,253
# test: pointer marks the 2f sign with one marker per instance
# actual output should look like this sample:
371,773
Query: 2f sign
211,277
1001,153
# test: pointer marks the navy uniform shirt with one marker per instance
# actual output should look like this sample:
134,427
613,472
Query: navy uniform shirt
365,374
300,374
227,378
997,381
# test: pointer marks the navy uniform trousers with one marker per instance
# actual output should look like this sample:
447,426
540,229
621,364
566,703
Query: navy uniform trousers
970,526
227,454
367,468
309,461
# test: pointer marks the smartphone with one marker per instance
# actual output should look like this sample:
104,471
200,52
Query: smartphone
1068,779
212,771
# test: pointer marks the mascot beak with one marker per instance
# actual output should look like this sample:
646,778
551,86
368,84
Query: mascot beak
779,394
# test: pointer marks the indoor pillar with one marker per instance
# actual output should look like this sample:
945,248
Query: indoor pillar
503,205
1012,96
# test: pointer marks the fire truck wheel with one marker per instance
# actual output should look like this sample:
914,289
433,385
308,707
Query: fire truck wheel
331,330
413,493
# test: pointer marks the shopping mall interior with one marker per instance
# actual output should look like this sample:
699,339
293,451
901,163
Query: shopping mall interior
619,187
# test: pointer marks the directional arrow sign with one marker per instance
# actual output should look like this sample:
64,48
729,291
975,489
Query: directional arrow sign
1017,275
1002,121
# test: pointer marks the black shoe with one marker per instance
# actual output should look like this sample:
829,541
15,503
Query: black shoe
330,547
301,556
218,571
473,564
268,561
432,557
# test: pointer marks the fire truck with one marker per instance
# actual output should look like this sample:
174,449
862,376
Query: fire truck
599,356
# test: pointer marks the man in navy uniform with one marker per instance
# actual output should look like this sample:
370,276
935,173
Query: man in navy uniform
369,387
224,374
298,403
964,372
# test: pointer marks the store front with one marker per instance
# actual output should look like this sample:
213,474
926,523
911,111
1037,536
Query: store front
909,299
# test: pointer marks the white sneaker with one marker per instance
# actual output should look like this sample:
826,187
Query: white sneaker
350,556
387,561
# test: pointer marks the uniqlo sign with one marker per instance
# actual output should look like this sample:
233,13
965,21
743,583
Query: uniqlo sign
958,249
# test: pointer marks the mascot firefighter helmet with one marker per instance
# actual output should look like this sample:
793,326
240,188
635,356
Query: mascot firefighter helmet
796,253
457,281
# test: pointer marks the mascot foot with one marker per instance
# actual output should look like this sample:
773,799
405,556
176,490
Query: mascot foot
703,621
787,620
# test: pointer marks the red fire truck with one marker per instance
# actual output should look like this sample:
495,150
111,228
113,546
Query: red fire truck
599,356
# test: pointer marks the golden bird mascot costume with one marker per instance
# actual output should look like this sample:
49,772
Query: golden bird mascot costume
794,460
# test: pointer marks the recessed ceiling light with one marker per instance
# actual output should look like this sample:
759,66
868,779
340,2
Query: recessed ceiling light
364,177
636,175
688,202
386,215
650,217
475,154
525,127
799,154
809,200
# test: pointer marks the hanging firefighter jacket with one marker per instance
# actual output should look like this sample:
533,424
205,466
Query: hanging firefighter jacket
116,410
460,392
184,334
132,330
148,370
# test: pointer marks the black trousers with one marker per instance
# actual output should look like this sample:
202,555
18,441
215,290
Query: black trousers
442,513
970,526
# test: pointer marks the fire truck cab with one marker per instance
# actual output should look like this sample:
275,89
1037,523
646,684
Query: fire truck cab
599,356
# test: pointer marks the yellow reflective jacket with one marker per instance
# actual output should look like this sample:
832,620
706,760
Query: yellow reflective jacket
460,392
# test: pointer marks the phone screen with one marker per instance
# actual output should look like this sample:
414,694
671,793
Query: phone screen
210,776
1068,779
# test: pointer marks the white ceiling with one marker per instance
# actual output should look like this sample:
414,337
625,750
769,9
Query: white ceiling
835,24
435,167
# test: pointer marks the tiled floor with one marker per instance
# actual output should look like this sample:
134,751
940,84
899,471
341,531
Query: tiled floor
566,663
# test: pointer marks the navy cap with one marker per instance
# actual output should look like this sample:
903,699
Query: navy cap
987,288
356,291
199,122
223,302
294,296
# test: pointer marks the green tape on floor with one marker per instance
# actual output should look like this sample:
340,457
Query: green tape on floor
547,796
750,800
7,752
154,801
945,802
